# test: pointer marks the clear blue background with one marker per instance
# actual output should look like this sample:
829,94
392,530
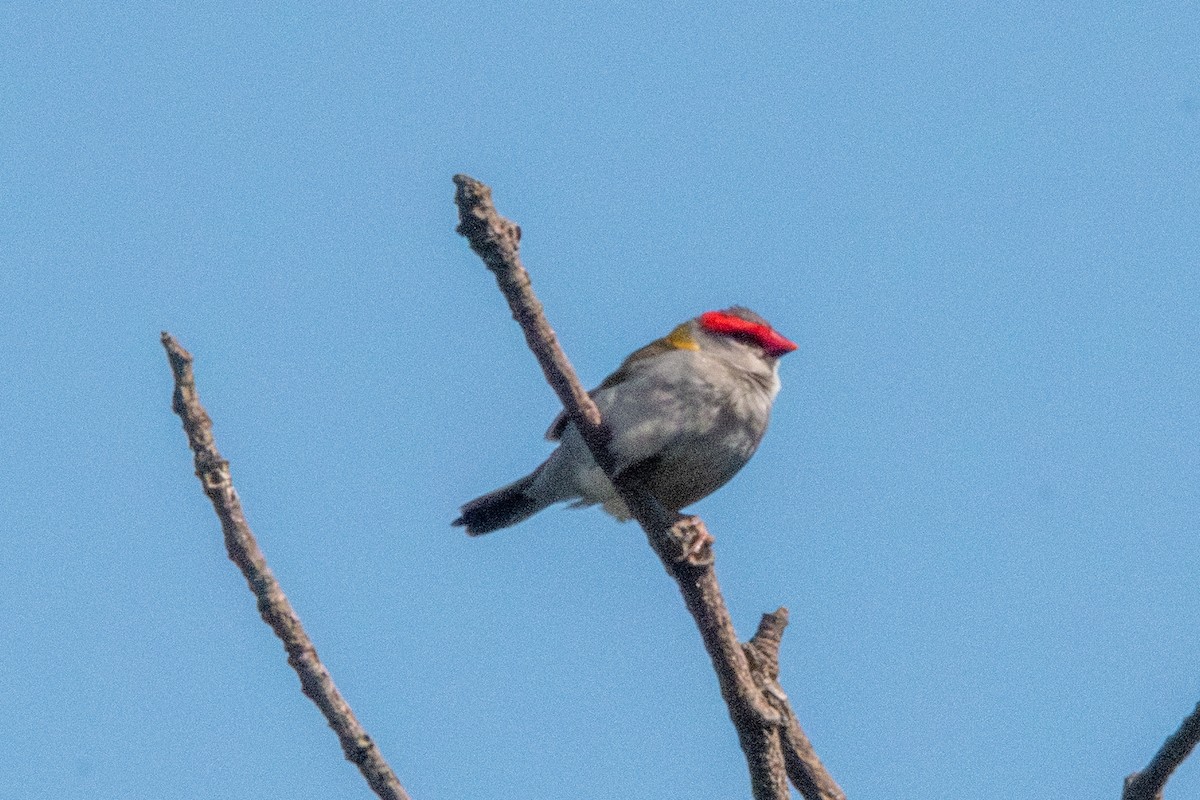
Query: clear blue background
978,498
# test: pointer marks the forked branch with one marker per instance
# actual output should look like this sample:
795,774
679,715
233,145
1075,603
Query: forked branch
772,740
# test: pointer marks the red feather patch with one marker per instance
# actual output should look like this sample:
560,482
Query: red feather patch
760,333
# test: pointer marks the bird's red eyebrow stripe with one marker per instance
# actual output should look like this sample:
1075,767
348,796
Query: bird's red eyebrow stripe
766,337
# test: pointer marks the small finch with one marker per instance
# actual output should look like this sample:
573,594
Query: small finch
685,413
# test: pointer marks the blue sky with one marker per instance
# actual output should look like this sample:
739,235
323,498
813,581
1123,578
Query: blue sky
978,496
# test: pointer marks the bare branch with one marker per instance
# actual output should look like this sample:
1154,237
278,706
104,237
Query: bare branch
273,605
804,768
682,543
1150,782
497,241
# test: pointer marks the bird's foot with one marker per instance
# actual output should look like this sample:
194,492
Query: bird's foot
695,540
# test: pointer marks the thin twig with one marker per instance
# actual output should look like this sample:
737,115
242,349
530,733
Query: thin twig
681,543
1150,782
273,605
804,767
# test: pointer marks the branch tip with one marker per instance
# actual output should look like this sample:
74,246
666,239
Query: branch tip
273,605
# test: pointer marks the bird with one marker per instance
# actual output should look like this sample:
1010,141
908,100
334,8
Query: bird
684,414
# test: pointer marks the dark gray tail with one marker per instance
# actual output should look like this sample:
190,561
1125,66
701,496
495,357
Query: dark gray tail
506,506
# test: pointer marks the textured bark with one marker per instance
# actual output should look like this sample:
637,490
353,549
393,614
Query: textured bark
1150,782
273,605
775,747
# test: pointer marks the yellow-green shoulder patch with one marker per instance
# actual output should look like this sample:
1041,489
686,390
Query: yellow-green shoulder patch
681,338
